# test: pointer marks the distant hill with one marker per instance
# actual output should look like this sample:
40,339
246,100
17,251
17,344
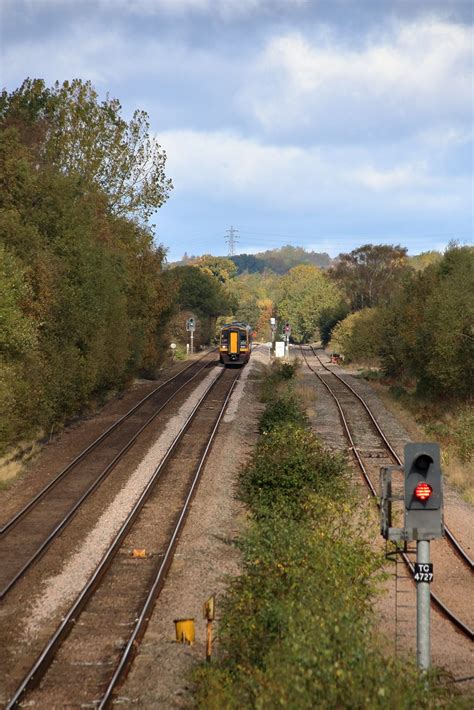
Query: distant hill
280,260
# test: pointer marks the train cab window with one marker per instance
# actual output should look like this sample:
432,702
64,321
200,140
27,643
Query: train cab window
224,338
243,340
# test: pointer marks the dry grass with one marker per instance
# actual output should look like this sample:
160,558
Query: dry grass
12,464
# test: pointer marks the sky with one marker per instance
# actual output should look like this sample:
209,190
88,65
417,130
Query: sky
326,124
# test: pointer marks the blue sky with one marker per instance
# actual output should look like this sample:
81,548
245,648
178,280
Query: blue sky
319,123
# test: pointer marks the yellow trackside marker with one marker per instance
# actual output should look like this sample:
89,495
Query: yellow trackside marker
139,553
184,631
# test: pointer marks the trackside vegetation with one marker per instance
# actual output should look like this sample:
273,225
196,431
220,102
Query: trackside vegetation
297,629
420,337
85,301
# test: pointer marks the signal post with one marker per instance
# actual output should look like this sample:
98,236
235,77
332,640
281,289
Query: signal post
191,327
423,522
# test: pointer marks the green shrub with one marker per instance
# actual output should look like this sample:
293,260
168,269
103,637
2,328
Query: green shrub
297,629
280,410
289,462
358,336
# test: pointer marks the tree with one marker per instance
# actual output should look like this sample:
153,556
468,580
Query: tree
82,307
18,332
305,291
68,128
448,329
428,327
219,267
254,295
358,337
198,291
329,318
367,275
426,258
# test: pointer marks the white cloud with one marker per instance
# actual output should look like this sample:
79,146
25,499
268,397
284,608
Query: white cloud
101,57
401,176
418,72
225,165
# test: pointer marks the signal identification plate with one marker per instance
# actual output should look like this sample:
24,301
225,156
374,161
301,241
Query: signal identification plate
423,572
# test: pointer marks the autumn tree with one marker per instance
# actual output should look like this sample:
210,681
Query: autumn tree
254,296
426,258
367,275
358,336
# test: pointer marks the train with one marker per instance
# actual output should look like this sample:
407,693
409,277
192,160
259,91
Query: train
235,344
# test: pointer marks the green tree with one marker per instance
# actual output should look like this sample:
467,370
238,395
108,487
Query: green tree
428,326
305,291
368,274
358,337
83,305
70,129
329,318
198,291
447,345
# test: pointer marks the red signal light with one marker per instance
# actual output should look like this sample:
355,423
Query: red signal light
423,491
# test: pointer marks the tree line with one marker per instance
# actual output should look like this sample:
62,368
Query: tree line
418,323
85,302
412,316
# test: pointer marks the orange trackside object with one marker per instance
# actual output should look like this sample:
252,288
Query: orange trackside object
139,553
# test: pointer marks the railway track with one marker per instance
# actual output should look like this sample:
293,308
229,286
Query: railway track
339,390
98,637
26,536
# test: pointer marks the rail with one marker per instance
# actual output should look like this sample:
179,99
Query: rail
466,630
45,659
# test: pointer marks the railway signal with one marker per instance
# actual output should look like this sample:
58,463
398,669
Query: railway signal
273,327
286,336
423,492
191,327
423,521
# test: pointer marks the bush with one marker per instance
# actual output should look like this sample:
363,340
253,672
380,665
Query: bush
289,462
358,336
282,409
